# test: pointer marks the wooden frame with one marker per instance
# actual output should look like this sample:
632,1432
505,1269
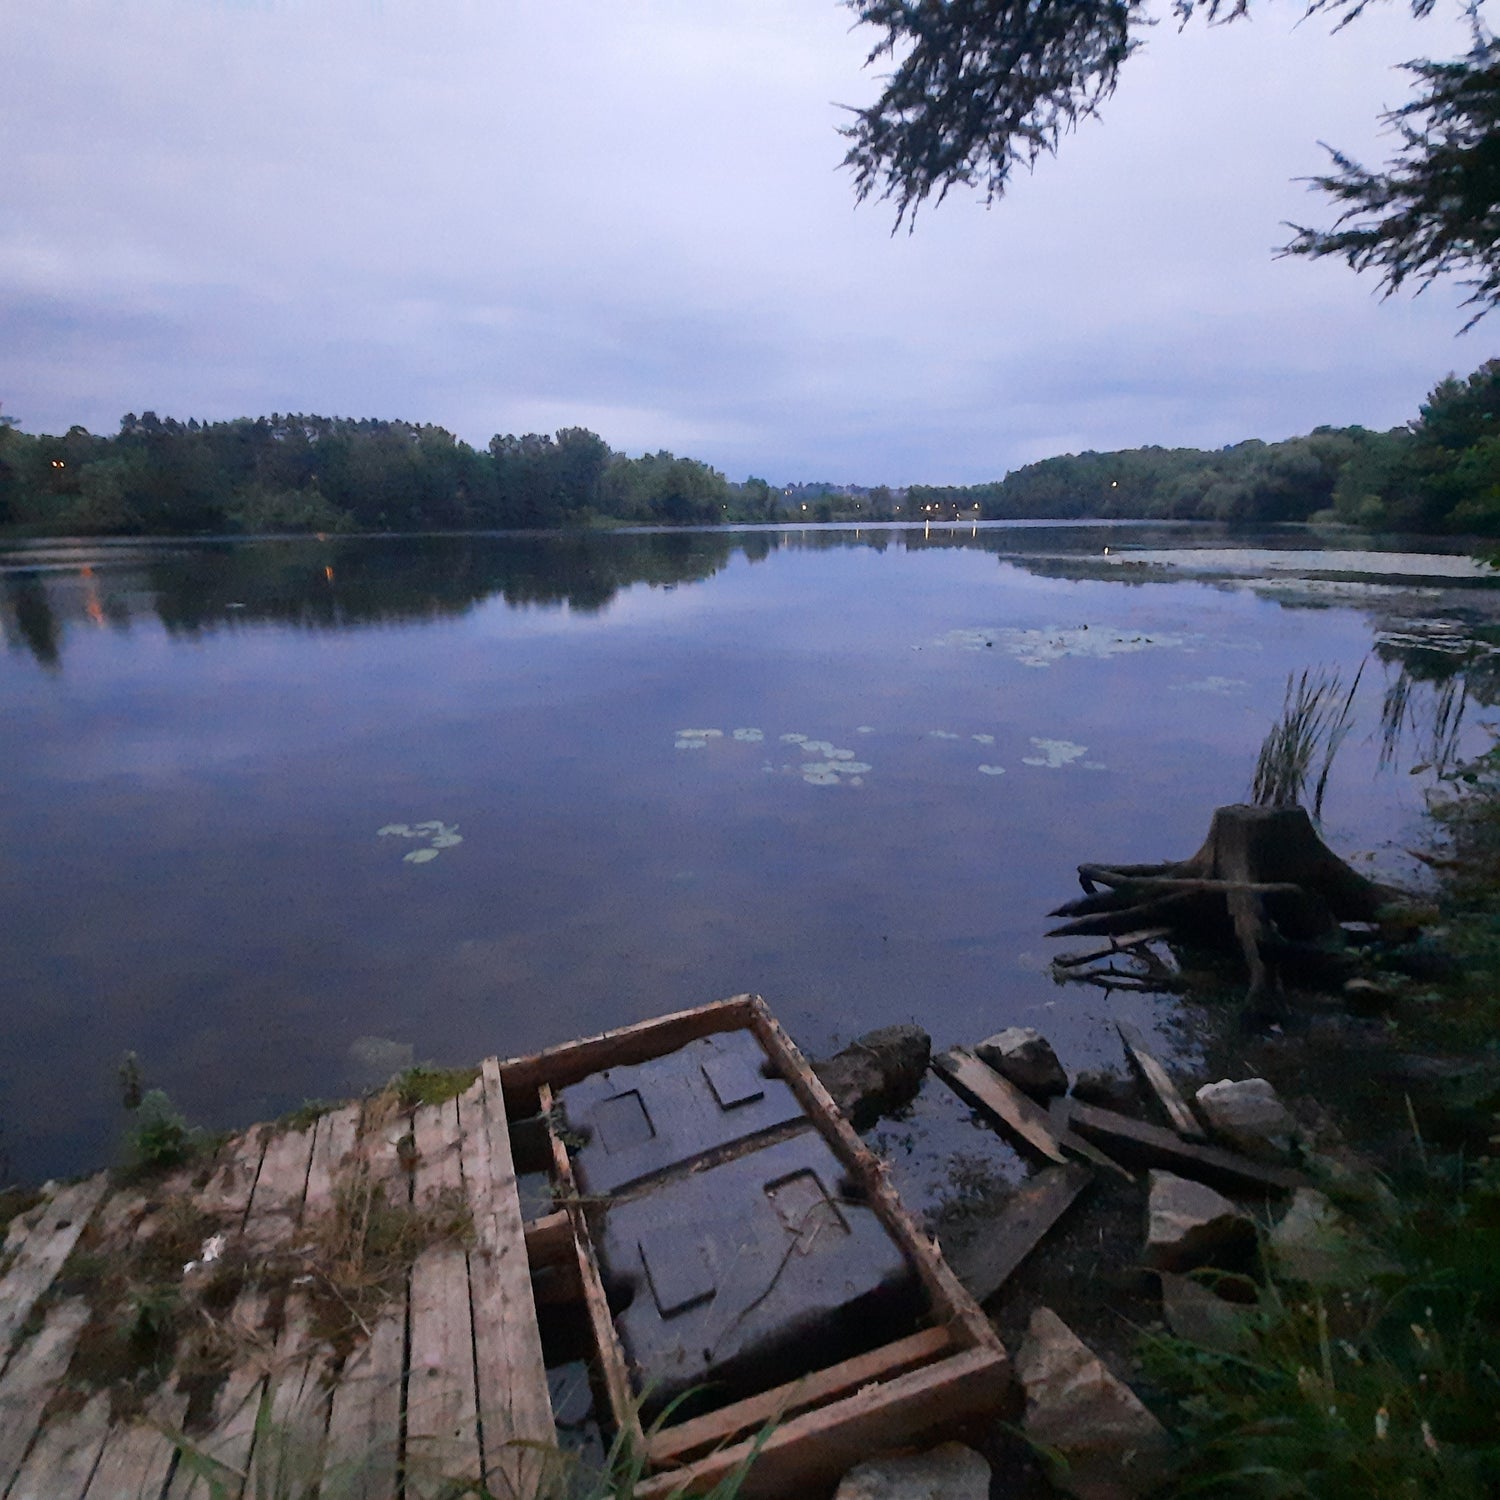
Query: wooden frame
954,1367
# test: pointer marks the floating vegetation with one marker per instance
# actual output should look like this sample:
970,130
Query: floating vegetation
983,739
1224,685
749,736
700,734
828,764
1040,648
436,834
943,734
1054,754
793,739
992,770
864,729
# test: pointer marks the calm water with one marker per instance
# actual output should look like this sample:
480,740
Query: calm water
200,744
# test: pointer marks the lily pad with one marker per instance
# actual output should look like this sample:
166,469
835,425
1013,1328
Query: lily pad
1055,754
818,776
992,770
793,739
983,739
749,736
446,840
398,830
700,734
419,856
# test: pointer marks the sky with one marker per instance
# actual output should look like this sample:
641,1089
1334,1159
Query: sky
629,215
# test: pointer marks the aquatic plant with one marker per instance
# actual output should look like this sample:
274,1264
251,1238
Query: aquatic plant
1316,717
437,834
1055,754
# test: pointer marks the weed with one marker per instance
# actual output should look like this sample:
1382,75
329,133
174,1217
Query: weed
426,1084
306,1115
1313,723
159,1139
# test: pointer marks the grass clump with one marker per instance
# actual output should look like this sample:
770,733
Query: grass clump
426,1084
159,1138
1315,720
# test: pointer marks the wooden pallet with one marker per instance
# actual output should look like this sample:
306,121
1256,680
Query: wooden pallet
953,1368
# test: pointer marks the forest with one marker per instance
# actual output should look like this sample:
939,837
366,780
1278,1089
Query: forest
1440,473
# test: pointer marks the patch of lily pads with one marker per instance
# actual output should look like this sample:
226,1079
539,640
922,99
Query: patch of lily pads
1055,754
1040,648
830,764
434,833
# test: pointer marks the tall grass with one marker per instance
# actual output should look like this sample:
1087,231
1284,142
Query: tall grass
1316,717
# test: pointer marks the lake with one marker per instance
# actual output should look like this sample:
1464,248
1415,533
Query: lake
281,816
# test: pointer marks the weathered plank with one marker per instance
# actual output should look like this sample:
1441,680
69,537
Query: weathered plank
288,1456
230,1439
623,1408
1161,1147
362,1450
334,1142
31,1378
276,1201
63,1457
1184,1121
515,1409
442,1429
227,1193
41,1254
1002,1099
987,1262
559,1066
812,1450
137,1456
670,1444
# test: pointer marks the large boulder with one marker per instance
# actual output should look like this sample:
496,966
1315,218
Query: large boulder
1188,1225
1109,1090
948,1472
1200,1316
1111,1447
1248,1114
1026,1058
877,1073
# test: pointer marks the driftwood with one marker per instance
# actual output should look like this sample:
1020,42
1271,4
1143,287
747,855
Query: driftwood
1263,882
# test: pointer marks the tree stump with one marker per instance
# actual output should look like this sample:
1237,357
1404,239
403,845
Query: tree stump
1263,882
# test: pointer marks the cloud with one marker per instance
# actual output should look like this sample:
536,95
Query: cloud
630,217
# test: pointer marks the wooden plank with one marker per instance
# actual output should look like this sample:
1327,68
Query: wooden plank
137,1456
813,1449
1155,1145
47,1245
227,1192
951,1304
548,1239
334,1141
31,1378
1002,1099
991,1258
362,1454
611,1359
288,1456
62,1460
230,1439
559,1066
516,1427
671,1444
276,1200
442,1429
1184,1121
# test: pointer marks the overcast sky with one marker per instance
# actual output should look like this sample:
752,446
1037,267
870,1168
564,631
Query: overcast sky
520,215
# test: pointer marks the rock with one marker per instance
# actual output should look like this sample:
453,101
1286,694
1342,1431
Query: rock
1026,1058
1316,1244
877,1073
1112,1446
1194,1313
1249,1116
1108,1090
948,1472
1188,1225
1366,997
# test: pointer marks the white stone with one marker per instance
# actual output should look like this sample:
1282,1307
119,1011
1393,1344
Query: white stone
1248,1115
1188,1225
948,1472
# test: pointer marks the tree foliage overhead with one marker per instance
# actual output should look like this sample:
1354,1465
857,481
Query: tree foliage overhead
1435,210
980,87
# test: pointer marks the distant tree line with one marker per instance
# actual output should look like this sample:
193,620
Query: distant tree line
1439,473
160,476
